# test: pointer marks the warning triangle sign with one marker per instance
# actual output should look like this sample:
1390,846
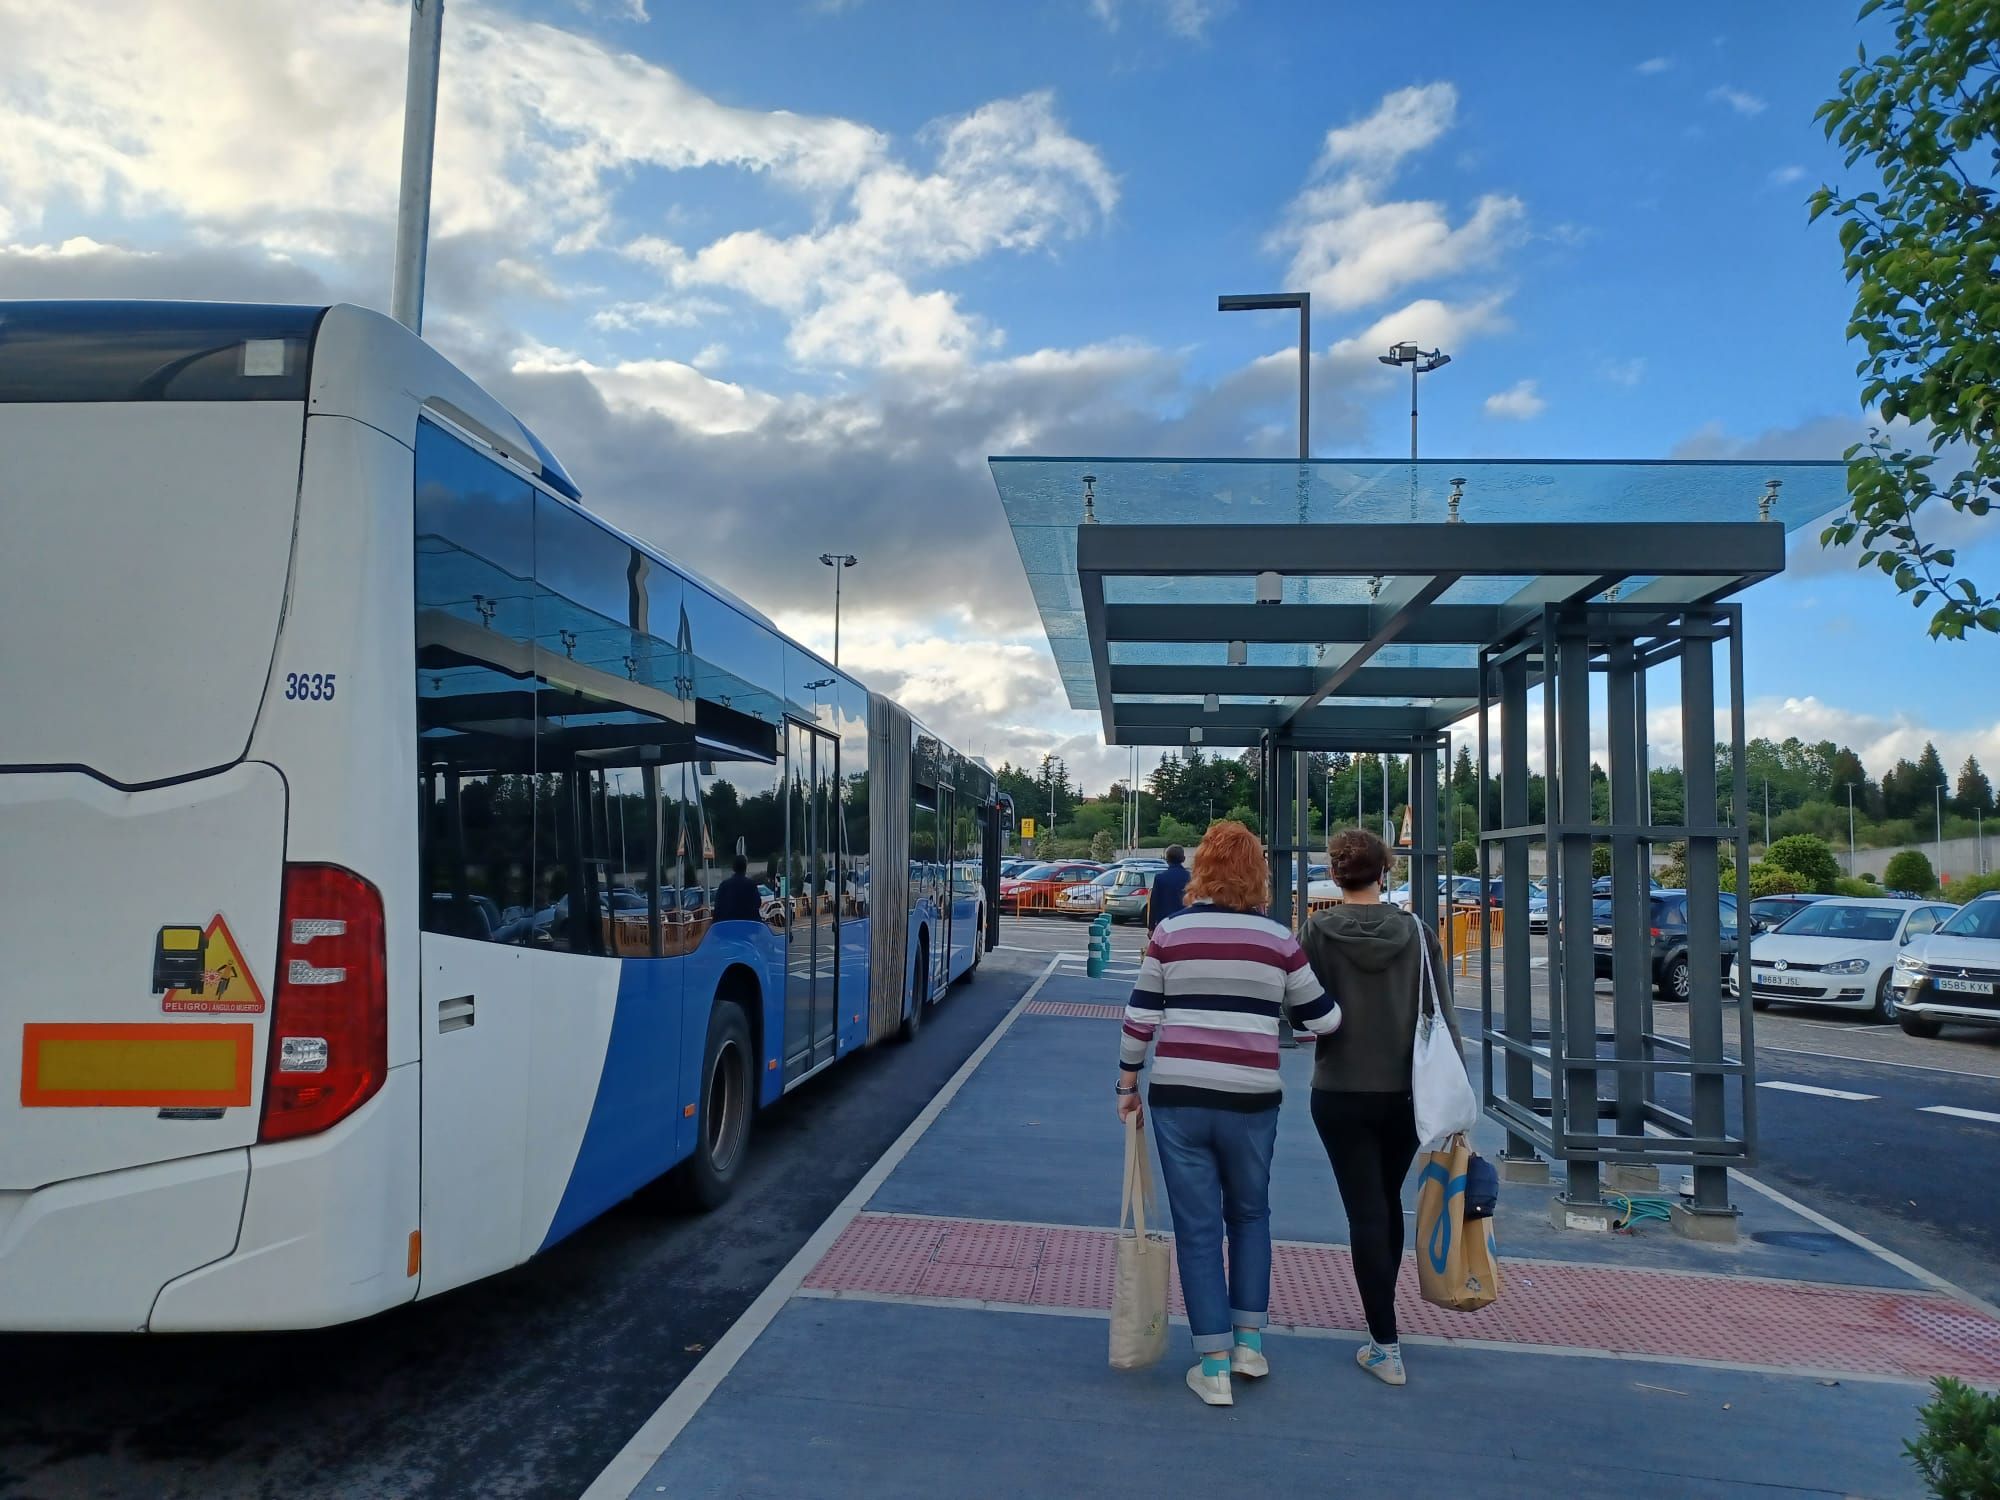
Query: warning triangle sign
228,987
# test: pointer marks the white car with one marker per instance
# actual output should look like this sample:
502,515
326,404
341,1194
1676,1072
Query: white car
1839,952
1954,975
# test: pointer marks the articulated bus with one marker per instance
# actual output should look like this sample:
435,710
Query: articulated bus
364,800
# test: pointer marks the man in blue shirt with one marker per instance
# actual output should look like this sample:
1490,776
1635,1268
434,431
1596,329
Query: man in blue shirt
737,899
1169,889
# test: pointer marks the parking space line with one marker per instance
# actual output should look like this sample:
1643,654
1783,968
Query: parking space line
636,1459
1812,1088
1962,1114
1873,1062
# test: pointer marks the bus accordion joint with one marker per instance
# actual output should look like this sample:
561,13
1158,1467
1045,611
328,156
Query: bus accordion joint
330,1021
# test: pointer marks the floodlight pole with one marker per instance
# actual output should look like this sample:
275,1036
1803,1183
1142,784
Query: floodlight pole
1850,830
838,561
413,203
1421,362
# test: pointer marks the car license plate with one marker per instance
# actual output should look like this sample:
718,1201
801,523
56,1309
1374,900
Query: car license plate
1784,981
1962,986
1600,939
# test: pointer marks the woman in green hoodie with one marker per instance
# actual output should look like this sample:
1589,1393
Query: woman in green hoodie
1369,955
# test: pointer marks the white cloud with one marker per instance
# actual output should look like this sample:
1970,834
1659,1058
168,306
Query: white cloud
1786,176
1880,740
663,387
1187,19
1008,177
1348,246
282,124
1740,100
1518,403
1655,65
1626,372
660,312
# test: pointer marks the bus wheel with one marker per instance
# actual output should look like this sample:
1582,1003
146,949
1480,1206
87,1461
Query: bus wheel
723,1114
914,1021
978,943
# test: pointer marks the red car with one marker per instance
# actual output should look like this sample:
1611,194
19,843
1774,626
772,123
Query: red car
1040,888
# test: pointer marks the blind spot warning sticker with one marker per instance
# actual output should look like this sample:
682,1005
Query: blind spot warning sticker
225,987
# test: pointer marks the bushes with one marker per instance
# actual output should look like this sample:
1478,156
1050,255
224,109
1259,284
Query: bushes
1958,1451
1464,857
1846,887
1766,879
1600,859
1103,846
1174,831
1909,871
1807,857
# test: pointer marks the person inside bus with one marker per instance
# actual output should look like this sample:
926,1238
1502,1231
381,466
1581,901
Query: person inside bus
736,899
1169,893
1223,974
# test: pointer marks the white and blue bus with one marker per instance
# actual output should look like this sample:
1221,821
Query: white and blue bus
364,800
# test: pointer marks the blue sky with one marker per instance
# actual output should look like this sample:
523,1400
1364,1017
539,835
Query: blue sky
775,277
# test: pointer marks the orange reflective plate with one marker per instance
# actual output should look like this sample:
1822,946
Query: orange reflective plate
145,1064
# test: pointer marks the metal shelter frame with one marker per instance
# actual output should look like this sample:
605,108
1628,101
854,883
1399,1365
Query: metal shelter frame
1460,619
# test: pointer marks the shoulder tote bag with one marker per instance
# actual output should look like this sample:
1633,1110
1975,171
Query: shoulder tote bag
1139,1294
1445,1103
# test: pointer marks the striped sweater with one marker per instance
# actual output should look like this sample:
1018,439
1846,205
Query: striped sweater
1210,990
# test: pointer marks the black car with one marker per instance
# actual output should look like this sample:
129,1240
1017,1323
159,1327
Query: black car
1669,927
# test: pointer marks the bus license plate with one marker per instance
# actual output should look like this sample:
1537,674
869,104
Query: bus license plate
1962,986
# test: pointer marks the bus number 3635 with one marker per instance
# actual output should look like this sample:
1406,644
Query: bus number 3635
312,687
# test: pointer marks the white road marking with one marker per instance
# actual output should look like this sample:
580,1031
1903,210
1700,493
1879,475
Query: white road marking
635,1460
1813,1088
1963,1114
1872,1062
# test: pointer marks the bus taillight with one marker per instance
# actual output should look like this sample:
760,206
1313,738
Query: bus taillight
330,1020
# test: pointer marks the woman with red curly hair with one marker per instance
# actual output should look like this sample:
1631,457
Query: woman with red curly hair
1216,978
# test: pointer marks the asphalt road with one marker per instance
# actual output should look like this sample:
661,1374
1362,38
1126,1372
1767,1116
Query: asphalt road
522,1385
1886,1164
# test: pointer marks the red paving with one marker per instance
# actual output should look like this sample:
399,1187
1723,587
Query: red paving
1735,1319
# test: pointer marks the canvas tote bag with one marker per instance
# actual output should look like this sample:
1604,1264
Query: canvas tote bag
1456,1263
1442,1094
1139,1294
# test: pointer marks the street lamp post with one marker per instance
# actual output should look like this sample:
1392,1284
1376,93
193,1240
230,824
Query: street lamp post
1850,830
838,561
1940,831
413,199
1420,363
1264,301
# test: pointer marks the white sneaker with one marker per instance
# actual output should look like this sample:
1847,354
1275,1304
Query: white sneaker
1386,1365
1213,1389
1243,1360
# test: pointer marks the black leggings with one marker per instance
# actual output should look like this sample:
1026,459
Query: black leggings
1371,1139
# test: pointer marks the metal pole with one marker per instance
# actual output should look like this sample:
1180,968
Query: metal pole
1940,831
1305,376
836,614
1850,830
413,204
1413,411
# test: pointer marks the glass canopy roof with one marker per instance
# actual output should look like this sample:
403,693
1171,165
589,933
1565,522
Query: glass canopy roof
1044,501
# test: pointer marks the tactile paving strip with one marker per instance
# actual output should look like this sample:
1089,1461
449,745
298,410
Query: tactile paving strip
1739,1320
1074,1008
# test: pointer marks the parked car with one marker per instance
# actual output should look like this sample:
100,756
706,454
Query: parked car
1013,866
1954,974
1839,952
1669,930
1766,912
1040,887
1538,906
1121,892
1464,892
474,916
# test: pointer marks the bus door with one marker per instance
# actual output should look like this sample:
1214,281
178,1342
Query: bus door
947,806
812,942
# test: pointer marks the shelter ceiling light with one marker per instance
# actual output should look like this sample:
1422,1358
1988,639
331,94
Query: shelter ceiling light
1270,588
1212,703
1194,736
1239,653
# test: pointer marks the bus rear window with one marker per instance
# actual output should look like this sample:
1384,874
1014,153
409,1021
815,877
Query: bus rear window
154,351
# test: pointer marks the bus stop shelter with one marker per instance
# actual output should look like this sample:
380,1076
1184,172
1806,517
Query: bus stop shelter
1282,607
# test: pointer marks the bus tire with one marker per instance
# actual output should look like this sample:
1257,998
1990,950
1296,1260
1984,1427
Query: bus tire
723,1113
921,998
978,943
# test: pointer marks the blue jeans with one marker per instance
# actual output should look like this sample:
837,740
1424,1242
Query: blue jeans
1217,1165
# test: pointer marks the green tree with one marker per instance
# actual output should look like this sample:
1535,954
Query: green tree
1921,253
1103,845
1808,858
1174,831
1464,857
1975,792
1909,870
1464,776
1245,815
1600,859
